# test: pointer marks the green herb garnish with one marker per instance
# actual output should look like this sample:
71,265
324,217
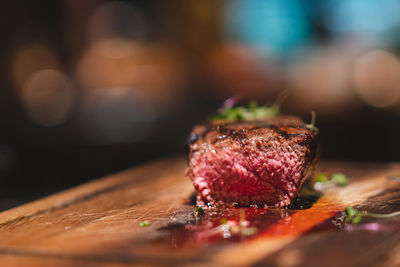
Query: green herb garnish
321,178
199,212
144,224
339,179
250,113
322,181
354,216
312,124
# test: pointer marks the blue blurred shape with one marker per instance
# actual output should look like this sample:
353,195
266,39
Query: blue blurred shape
362,16
273,26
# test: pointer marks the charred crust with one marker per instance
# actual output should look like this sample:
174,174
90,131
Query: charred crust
239,130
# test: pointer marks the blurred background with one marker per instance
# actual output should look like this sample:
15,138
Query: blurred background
88,88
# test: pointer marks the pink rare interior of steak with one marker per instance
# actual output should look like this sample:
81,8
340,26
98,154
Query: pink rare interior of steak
252,171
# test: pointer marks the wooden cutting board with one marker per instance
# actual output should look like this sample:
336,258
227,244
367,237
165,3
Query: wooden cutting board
97,224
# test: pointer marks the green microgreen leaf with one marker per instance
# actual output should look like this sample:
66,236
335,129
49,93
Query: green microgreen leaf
322,181
199,212
357,218
250,113
266,112
339,179
350,213
312,124
354,216
321,177
144,224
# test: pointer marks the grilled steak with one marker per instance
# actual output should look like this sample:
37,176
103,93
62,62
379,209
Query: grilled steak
247,163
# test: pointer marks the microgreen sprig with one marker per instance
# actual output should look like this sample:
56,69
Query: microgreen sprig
322,181
312,124
248,113
144,224
339,179
251,112
355,216
199,212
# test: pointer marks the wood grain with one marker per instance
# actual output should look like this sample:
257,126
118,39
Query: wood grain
97,224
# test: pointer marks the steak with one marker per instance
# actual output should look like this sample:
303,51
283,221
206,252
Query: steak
251,163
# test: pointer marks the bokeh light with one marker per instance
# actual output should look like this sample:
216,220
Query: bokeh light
376,78
274,28
48,97
115,63
29,59
118,56
374,20
321,81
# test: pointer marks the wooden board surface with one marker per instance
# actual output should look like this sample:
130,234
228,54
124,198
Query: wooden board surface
97,224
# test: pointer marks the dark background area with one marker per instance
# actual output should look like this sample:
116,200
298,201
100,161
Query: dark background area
88,88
